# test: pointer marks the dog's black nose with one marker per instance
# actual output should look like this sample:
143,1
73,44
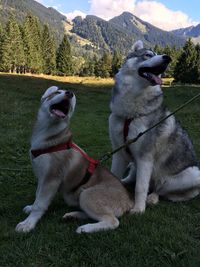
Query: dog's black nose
167,59
69,94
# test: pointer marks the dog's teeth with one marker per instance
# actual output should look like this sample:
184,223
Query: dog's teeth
145,74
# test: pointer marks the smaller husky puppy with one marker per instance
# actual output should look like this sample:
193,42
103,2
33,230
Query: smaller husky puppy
60,164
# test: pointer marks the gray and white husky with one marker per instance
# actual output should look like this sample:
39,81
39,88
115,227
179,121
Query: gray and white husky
163,160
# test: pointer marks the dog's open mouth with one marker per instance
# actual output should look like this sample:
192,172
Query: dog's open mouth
152,74
60,109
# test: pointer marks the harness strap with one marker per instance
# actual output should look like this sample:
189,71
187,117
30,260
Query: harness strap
37,152
68,145
126,130
92,162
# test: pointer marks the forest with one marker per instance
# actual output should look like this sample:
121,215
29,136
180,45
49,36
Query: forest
31,47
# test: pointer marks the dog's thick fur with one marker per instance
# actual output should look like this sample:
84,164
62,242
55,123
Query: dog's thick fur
164,157
103,198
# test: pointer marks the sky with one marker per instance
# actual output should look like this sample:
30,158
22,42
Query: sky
165,14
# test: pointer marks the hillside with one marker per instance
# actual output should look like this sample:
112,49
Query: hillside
92,32
23,7
103,34
121,31
140,29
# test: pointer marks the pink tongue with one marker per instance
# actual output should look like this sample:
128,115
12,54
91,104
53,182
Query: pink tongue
157,79
58,113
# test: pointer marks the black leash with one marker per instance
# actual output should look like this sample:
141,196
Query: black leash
108,155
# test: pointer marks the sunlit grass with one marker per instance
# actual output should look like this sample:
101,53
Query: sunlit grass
96,81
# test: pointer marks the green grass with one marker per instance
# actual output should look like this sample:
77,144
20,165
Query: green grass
165,235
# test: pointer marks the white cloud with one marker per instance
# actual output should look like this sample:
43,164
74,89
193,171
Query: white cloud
57,7
107,9
151,11
161,16
74,14
39,1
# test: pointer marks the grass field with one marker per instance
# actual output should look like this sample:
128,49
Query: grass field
165,235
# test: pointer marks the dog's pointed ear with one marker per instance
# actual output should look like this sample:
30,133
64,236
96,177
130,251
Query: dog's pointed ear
137,46
49,91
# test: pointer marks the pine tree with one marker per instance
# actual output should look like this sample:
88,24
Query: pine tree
185,70
48,51
116,62
89,66
12,48
1,42
78,63
158,49
104,66
64,58
1,32
33,45
197,48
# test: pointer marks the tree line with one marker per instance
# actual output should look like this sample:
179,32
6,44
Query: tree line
30,47
185,65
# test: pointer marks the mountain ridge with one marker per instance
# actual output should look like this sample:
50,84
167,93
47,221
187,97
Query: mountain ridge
192,31
119,33
147,32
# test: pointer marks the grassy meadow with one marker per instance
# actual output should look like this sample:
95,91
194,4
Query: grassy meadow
165,235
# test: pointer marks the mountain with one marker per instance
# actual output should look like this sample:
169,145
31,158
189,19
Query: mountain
103,34
192,31
150,34
121,31
92,32
20,8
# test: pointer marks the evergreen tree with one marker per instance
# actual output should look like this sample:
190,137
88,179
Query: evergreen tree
104,66
197,48
185,70
78,63
89,66
1,33
33,45
167,51
158,49
173,53
12,52
1,42
116,62
48,51
64,58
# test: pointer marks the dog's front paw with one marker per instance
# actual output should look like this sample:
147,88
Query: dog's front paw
152,199
137,210
87,228
27,209
24,227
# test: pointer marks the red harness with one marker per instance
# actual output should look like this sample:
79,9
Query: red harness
125,132
92,162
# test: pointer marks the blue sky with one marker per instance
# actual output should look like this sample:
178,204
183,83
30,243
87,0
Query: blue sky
190,7
166,14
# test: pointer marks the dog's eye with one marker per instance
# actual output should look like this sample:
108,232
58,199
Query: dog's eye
58,92
148,55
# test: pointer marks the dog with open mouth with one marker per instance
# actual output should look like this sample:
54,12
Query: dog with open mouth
59,164
163,161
